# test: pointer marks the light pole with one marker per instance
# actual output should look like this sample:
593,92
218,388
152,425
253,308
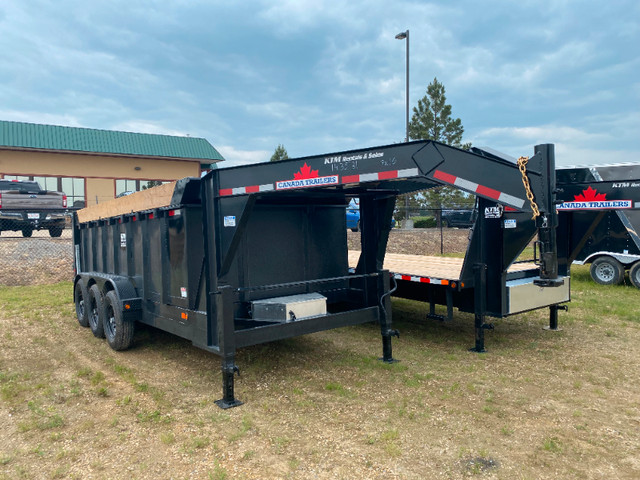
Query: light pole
405,36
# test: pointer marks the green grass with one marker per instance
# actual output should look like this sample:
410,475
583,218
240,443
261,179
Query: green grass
327,396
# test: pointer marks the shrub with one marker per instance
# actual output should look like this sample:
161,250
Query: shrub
424,222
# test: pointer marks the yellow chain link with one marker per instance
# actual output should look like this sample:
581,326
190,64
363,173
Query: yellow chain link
522,166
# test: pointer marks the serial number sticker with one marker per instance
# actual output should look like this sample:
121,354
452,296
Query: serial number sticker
183,292
123,240
230,221
510,223
33,216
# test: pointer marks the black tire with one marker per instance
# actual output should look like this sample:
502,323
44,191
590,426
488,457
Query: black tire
634,274
55,231
357,229
81,299
27,232
96,311
118,330
607,271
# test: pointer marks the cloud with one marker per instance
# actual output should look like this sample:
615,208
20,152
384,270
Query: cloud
234,157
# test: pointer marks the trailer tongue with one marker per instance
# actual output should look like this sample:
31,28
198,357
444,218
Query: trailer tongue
251,254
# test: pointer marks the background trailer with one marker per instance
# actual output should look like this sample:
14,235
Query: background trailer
257,253
600,218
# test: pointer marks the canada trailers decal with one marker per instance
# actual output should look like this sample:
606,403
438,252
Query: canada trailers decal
590,199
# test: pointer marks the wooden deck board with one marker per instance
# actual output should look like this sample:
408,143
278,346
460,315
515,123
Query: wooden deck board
427,266
155,197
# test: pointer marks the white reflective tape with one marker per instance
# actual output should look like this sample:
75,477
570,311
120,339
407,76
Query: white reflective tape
466,184
511,200
267,188
409,172
368,177
238,191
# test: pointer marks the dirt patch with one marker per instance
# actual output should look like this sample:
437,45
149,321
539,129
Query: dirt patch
420,241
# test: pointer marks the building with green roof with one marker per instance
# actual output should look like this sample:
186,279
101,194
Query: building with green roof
92,165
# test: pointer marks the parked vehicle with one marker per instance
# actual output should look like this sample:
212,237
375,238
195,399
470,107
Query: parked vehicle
353,216
463,218
600,219
25,207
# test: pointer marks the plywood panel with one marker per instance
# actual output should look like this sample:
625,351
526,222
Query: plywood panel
426,266
155,197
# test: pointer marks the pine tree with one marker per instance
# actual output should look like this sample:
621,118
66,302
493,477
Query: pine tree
280,153
431,120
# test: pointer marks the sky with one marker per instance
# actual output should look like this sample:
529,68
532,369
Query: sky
328,76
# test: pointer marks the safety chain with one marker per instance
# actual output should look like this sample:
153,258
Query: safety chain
522,166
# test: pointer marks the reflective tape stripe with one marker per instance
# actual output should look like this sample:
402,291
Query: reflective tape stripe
387,175
224,192
479,189
414,278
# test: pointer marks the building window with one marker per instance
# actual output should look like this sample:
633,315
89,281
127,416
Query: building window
74,189
48,183
127,185
16,177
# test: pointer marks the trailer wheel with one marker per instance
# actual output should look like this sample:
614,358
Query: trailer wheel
634,274
27,232
118,330
357,229
55,231
607,271
96,306
81,299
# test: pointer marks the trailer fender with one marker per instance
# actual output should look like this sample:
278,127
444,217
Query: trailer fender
123,287
126,294
623,258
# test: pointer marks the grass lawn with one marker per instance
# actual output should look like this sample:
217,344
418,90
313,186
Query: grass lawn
538,405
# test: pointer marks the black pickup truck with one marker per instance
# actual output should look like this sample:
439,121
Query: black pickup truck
25,207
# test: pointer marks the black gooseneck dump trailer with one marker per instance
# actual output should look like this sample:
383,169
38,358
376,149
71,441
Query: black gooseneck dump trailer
251,254
600,218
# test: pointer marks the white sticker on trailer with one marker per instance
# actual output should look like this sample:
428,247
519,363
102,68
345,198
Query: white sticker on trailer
183,292
230,221
510,223
123,240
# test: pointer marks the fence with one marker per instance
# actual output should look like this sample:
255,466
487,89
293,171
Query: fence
37,260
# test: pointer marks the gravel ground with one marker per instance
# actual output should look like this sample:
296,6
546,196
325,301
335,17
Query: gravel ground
43,260
37,260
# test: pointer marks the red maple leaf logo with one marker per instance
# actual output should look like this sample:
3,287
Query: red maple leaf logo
590,195
305,172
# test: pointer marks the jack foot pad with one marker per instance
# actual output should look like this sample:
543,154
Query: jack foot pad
558,329
222,403
393,360
478,350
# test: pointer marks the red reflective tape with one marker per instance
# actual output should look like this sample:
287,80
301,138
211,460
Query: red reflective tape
445,177
351,179
406,277
388,175
488,192
510,209
252,189
226,191
425,280
172,213
150,216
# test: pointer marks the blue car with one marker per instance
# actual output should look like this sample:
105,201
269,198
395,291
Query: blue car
353,216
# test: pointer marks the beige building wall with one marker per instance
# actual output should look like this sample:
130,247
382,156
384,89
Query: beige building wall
99,171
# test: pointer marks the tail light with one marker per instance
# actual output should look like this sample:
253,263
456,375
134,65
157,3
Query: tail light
64,201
